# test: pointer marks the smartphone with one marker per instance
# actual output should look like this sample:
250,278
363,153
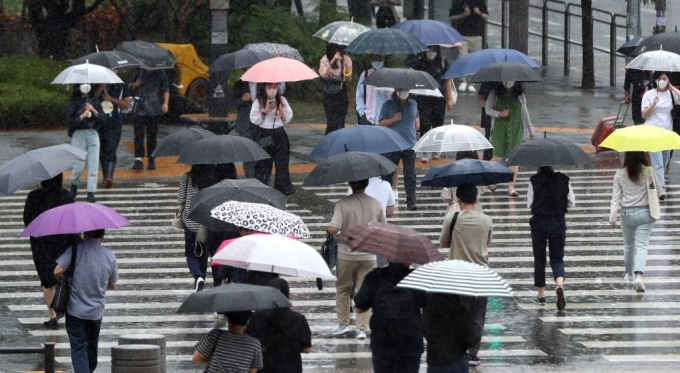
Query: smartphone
272,104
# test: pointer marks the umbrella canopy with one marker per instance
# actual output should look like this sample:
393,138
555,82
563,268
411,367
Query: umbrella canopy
546,152
349,166
467,171
668,41
628,48
385,42
642,138
38,165
396,243
656,61
452,138
261,218
473,62
273,253
222,149
74,218
340,32
109,59
431,32
402,79
276,49
86,73
243,190
234,297
457,277
507,71
371,139
240,59
279,69
177,142
416,92
152,55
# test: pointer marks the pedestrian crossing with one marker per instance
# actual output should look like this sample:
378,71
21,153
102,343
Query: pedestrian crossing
605,319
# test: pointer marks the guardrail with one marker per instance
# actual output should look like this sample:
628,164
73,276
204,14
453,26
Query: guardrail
47,350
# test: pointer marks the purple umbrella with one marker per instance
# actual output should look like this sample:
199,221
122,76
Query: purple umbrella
74,218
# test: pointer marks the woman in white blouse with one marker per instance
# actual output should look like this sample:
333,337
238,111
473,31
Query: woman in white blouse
631,197
270,112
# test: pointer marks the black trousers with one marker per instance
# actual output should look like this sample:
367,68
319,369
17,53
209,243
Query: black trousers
636,109
395,361
551,232
478,318
149,126
280,157
335,107
109,138
486,124
432,111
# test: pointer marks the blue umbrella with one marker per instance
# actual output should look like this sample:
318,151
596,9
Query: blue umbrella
628,48
370,139
431,32
467,171
473,62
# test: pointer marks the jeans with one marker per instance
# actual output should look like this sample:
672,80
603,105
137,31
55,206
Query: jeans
149,126
553,232
198,265
84,338
636,224
395,361
351,272
408,157
659,162
87,140
458,366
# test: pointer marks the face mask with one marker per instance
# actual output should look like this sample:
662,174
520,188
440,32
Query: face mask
377,64
662,83
85,88
403,94
431,55
509,84
272,92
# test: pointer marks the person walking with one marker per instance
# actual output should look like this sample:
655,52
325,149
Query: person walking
353,266
117,98
549,195
510,124
96,271
449,194
469,17
484,91
153,90
336,70
270,113
635,85
84,116
369,100
243,98
635,185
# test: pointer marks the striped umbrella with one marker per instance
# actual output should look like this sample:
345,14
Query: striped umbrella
386,42
457,277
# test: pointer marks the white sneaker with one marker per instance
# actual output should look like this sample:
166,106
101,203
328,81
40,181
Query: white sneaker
340,330
435,156
639,285
361,334
395,194
662,195
424,159
471,89
200,284
462,87
628,279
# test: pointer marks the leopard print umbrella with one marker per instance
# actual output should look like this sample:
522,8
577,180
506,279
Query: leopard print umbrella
261,218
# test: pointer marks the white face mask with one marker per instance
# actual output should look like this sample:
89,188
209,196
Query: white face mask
403,94
271,92
509,84
85,88
431,55
662,83
377,64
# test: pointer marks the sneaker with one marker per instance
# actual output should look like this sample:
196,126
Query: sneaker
561,302
108,183
473,361
361,334
90,197
151,165
340,330
289,191
471,89
412,207
435,156
395,194
139,165
639,285
424,159
74,190
662,195
200,284
462,87
539,301
628,279
51,323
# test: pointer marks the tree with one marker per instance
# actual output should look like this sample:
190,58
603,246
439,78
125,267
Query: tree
588,78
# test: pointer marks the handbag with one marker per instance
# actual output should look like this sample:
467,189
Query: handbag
63,291
177,221
329,253
652,196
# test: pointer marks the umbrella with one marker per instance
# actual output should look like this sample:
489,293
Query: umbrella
457,277
177,142
628,48
152,55
222,149
471,63
86,73
371,139
417,92
467,171
279,69
340,32
506,71
642,138
385,42
261,218
546,152
431,32
402,79
109,59
74,218
244,190
656,61
234,297
349,166
276,49
38,165
452,138
272,253
239,60
396,243
668,41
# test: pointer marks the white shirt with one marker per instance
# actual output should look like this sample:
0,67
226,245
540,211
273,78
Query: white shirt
380,190
661,114
571,198
275,119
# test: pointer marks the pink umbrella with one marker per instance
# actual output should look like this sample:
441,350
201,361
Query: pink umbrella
74,218
279,69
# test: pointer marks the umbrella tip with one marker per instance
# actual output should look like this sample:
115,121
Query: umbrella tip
346,149
545,134
96,47
351,19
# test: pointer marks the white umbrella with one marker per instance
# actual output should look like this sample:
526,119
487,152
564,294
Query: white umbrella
457,277
86,73
452,138
340,32
656,61
261,218
273,253
418,92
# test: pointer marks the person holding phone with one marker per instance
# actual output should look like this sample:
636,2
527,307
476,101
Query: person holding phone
469,17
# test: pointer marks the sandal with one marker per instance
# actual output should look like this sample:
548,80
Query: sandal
513,193
493,187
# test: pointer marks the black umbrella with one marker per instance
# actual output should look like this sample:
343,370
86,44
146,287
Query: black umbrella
546,152
467,171
109,59
402,79
668,41
239,60
385,42
349,166
507,71
243,190
628,48
223,149
234,297
152,55
177,142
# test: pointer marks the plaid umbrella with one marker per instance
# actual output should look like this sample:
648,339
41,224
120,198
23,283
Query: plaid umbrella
261,218
457,277
385,42
276,49
396,243
341,32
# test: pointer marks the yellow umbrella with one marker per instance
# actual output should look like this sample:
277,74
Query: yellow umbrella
642,138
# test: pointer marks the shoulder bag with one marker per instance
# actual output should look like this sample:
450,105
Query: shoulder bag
329,253
652,196
177,221
453,224
63,291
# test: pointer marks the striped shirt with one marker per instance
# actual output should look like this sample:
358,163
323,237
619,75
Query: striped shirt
229,352
185,194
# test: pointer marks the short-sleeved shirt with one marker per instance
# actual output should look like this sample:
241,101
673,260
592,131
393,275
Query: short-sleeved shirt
472,25
230,352
471,235
406,127
119,92
96,267
351,211
661,114
154,85
380,190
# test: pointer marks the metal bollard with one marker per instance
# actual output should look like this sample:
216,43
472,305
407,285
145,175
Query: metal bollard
146,339
49,357
135,359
